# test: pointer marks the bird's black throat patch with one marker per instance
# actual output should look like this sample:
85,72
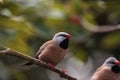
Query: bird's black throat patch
64,44
116,69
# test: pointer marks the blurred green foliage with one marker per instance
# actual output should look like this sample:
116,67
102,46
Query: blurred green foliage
26,24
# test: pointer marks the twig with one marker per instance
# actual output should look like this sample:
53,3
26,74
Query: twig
8,51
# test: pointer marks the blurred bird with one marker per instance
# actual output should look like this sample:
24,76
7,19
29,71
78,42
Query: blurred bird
110,70
53,51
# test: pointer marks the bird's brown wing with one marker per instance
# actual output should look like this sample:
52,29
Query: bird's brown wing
42,48
39,51
52,54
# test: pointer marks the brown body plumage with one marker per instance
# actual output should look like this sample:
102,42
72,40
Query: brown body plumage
104,73
108,71
51,53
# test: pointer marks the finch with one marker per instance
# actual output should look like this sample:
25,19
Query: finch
53,51
110,70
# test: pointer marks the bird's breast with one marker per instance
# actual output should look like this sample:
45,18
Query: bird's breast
52,54
104,73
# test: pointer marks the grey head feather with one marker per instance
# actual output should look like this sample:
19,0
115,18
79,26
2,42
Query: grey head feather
109,62
59,37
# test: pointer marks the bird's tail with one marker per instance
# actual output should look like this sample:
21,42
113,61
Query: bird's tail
22,66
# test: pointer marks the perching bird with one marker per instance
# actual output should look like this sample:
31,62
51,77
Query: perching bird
53,51
110,70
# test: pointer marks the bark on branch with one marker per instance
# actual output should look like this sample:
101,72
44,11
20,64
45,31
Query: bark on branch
8,51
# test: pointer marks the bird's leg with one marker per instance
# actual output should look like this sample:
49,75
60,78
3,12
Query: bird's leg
51,66
63,72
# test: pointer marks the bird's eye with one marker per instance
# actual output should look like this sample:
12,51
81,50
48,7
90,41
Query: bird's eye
111,62
62,35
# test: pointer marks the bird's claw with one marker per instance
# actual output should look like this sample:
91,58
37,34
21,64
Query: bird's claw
51,66
63,72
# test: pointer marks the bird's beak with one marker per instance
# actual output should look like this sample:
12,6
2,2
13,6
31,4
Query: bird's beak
68,35
117,63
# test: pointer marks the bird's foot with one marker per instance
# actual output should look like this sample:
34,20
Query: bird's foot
51,66
63,72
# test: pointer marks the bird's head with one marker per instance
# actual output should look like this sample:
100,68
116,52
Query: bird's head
111,61
113,64
62,39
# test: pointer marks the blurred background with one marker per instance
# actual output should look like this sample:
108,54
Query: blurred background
26,24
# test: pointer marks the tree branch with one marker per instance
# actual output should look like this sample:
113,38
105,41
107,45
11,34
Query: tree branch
8,51
98,29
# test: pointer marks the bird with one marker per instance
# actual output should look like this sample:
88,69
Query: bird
54,50
110,70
